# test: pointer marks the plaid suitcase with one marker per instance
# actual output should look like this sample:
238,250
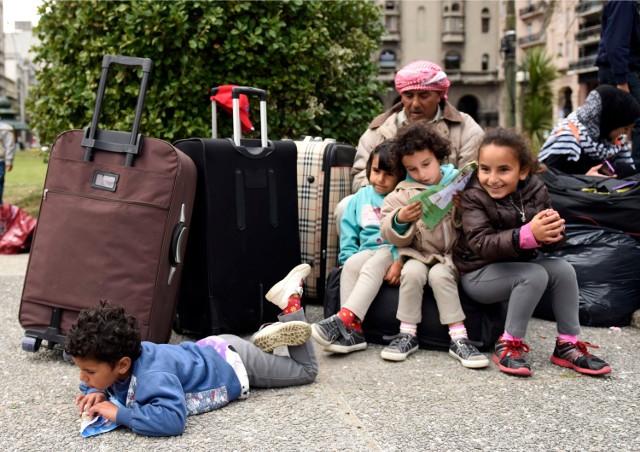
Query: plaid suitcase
324,179
113,226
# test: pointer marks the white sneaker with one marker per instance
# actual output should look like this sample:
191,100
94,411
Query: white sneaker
273,335
291,285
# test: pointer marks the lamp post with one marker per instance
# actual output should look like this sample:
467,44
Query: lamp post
522,78
508,50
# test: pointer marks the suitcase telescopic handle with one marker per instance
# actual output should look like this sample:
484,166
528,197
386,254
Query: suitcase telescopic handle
114,141
235,98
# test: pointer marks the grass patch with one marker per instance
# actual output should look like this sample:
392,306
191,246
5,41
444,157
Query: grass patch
23,184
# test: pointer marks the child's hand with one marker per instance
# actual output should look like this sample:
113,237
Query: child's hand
547,226
86,401
457,200
410,213
105,409
393,273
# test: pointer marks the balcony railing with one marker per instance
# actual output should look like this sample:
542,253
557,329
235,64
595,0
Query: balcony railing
588,32
588,6
532,39
583,63
533,9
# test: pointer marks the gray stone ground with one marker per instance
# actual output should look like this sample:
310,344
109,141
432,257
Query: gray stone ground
359,402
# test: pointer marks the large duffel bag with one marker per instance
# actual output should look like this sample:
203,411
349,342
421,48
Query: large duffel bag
599,201
484,323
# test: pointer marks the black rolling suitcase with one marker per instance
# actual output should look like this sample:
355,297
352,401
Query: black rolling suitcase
244,235
113,226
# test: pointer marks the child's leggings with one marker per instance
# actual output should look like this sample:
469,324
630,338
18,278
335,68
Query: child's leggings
361,278
266,370
523,284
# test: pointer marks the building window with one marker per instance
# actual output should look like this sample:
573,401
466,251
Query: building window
390,5
452,61
455,8
391,23
485,62
387,59
486,20
421,21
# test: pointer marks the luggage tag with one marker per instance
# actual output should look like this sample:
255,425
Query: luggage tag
97,425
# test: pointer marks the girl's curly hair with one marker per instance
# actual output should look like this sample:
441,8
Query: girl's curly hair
104,333
511,138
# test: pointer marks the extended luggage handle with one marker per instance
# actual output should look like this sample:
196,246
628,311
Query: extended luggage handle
110,140
235,97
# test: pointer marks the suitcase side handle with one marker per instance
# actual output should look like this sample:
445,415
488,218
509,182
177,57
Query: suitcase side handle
114,141
235,98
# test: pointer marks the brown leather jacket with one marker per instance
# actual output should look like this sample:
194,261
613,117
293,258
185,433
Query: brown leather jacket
491,227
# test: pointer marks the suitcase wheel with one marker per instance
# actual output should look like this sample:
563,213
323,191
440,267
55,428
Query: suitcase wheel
31,344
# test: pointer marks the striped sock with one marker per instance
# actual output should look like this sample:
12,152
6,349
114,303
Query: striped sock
457,332
411,328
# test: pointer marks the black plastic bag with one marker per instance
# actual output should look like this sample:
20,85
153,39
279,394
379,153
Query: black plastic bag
607,265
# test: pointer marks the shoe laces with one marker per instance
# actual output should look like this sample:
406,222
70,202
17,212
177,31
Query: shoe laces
582,347
514,348
399,338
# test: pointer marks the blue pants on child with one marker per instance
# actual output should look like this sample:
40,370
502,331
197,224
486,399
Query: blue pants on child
523,284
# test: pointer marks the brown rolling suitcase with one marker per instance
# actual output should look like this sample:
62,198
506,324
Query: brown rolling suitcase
113,226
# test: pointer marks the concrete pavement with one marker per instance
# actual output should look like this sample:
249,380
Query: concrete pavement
358,402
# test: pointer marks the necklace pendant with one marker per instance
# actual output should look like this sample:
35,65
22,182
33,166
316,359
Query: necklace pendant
522,217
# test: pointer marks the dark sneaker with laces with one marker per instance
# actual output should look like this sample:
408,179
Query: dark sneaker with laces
576,357
352,341
401,346
509,356
328,330
467,353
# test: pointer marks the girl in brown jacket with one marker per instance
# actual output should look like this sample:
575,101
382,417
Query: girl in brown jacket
506,218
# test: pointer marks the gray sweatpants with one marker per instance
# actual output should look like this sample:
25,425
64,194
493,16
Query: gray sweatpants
266,370
523,284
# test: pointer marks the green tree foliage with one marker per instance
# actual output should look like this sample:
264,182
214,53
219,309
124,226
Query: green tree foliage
538,96
312,57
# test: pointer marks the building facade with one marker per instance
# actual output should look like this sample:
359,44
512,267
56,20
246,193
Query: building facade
461,36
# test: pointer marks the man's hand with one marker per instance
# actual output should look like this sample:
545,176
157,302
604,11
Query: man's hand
547,226
8,167
105,409
410,213
85,402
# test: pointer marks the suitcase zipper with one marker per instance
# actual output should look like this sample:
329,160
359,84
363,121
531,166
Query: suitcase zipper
97,198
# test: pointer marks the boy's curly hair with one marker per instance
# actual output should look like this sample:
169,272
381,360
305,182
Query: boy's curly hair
418,137
104,333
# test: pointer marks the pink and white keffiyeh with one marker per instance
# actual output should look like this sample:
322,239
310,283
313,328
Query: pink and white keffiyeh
422,75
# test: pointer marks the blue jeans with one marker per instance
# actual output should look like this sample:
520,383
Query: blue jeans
605,77
1,180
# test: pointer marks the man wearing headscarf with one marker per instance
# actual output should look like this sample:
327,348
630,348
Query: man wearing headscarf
423,87
594,134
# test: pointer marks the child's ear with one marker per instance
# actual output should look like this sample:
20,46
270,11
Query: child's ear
123,365
524,172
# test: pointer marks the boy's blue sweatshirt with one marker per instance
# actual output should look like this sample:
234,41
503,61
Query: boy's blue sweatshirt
169,382
360,225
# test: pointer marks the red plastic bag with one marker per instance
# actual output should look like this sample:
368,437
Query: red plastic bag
16,229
